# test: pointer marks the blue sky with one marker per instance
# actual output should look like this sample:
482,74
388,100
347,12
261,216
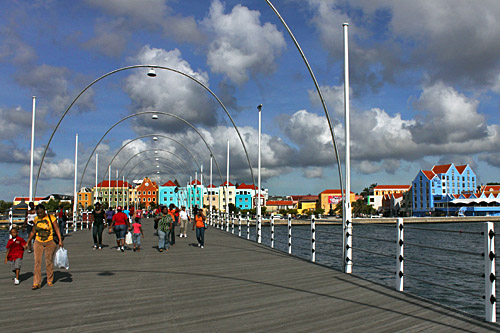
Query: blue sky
425,88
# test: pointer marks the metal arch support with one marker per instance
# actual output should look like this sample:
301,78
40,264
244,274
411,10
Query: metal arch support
138,138
143,151
323,103
141,66
148,157
181,171
150,112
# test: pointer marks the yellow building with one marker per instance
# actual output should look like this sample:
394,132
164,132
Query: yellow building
329,199
85,198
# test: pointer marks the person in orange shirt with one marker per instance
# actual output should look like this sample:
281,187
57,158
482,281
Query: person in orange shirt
171,234
200,228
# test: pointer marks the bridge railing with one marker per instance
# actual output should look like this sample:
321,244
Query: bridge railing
385,252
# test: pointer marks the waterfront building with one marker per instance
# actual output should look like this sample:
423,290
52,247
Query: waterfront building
147,193
274,206
392,204
305,203
378,192
433,190
195,194
328,200
18,200
167,194
228,193
114,193
85,198
245,195
212,191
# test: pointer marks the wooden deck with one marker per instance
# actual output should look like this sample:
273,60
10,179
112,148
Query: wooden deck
232,285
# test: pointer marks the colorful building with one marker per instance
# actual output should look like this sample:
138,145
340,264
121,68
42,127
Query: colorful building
377,194
274,206
168,194
244,196
228,193
147,193
114,193
306,203
18,200
328,200
85,198
212,194
195,193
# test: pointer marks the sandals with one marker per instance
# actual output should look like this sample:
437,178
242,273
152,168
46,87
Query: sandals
35,287
50,284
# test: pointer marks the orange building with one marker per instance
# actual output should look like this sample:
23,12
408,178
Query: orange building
147,193
329,199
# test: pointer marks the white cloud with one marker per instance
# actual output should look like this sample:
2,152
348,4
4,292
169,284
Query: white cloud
242,46
313,172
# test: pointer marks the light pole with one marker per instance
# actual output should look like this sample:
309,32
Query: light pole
32,148
75,201
347,216
259,217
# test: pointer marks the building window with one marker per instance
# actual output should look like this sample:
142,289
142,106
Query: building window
144,192
149,192
143,199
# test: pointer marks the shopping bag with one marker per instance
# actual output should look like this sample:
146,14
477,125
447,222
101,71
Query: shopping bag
128,238
61,258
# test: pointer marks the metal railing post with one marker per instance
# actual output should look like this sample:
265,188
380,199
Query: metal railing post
400,256
289,234
489,273
227,221
74,218
11,222
232,223
66,224
248,225
259,228
313,238
272,230
348,247
239,224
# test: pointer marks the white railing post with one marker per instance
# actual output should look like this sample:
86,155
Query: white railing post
348,247
239,224
259,228
489,273
289,234
248,225
313,238
400,256
67,224
227,221
272,230
232,223
11,221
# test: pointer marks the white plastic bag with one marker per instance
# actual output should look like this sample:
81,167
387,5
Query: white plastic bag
61,258
128,238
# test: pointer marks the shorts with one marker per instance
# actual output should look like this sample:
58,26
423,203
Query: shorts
29,228
16,264
120,231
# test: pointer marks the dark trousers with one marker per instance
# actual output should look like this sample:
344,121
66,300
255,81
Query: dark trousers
200,235
97,233
62,225
172,235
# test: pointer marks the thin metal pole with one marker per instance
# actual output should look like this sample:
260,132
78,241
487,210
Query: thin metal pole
259,211
32,148
109,187
489,273
210,195
201,185
272,230
347,216
96,176
227,189
400,256
75,201
313,238
248,225
289,234
239,224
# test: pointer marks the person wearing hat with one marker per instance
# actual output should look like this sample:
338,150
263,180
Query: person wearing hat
121,224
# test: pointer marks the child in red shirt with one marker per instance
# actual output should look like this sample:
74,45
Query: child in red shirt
15,252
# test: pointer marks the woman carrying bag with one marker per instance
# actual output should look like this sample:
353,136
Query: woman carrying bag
45,232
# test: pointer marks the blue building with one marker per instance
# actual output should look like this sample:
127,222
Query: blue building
168,194
244,196
433,190
195,192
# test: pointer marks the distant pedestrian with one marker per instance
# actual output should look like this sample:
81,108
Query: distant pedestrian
29,222
62,218
137,233
98,225
184,218
43,232
165,223
171,234
15,252
109,215
121,225
200,228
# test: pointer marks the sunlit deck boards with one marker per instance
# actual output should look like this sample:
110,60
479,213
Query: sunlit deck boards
232,285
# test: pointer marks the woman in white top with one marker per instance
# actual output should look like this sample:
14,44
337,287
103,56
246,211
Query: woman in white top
29,222
184,217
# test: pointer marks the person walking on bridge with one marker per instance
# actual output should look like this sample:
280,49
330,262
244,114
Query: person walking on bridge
121,225
98,225
109,215
200,228
165,223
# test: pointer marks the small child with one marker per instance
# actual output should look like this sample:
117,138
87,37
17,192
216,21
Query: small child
15,252
136,234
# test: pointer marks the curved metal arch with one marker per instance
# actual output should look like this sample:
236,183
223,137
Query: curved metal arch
181,171
138,138
142,151
142,113
141,66
148,150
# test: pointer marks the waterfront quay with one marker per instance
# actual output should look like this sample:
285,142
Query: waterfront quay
232,285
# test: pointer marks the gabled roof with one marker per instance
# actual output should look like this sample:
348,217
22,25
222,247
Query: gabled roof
429,174
461,168
169,183
195,182
224,184
244,186
392,187
397,195
441,168
114,183
211,186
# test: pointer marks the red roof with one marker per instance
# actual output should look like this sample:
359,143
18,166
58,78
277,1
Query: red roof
244,186
169,183
307,198
211,186
461,168
224,184
441,168
392,187
26,199
279,203
397,195
114,183
429,174
333,192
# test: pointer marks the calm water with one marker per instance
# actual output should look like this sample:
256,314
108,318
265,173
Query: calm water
328,252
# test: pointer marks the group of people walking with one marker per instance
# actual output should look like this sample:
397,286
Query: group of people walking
46,233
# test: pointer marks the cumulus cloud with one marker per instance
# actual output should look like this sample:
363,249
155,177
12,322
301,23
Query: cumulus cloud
313,172
111,37
242,46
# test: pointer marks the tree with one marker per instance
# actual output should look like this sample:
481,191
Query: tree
5,205
52,205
